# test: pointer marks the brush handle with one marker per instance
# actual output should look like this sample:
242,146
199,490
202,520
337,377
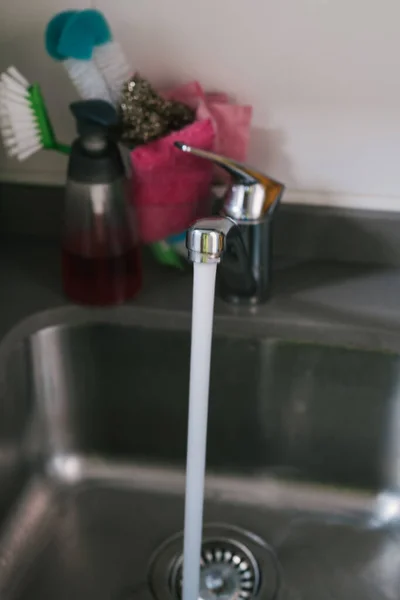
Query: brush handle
62,148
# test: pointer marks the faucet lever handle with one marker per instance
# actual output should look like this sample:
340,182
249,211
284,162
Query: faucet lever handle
252,194
239,172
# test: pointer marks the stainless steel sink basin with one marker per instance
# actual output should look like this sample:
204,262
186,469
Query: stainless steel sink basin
303,451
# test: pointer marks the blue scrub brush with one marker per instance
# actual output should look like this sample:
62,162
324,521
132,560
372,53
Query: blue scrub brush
95,62
77,59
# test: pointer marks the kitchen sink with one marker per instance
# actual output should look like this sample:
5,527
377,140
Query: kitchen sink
303,459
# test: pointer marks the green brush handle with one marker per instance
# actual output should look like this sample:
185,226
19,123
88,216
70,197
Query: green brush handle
62,148
46,129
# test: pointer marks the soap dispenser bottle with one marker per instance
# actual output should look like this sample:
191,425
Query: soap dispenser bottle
101,261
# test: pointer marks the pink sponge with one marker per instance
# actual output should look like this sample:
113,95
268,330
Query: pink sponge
172,188
231,122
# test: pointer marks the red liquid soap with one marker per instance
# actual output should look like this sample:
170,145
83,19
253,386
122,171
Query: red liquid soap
100,279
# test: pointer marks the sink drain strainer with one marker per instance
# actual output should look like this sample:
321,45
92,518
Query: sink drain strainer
228,570
234,565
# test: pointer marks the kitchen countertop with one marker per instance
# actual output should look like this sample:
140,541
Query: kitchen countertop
331,302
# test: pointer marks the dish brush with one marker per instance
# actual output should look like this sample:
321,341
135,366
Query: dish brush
95,62
25,126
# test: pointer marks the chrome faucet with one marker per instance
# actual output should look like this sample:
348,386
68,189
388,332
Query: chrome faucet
241,233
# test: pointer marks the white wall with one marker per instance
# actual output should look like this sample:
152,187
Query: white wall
323,77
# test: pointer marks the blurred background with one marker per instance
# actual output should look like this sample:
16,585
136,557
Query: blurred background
323,78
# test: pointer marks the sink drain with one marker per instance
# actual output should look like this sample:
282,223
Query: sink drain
234,565
227,570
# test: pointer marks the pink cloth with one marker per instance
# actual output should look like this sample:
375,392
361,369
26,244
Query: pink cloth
231,121
171,188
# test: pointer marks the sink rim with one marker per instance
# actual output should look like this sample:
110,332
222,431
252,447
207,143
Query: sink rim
242,323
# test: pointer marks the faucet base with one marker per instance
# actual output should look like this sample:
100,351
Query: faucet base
242,300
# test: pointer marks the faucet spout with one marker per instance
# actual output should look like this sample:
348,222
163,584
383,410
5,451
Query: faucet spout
213,238
206,239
